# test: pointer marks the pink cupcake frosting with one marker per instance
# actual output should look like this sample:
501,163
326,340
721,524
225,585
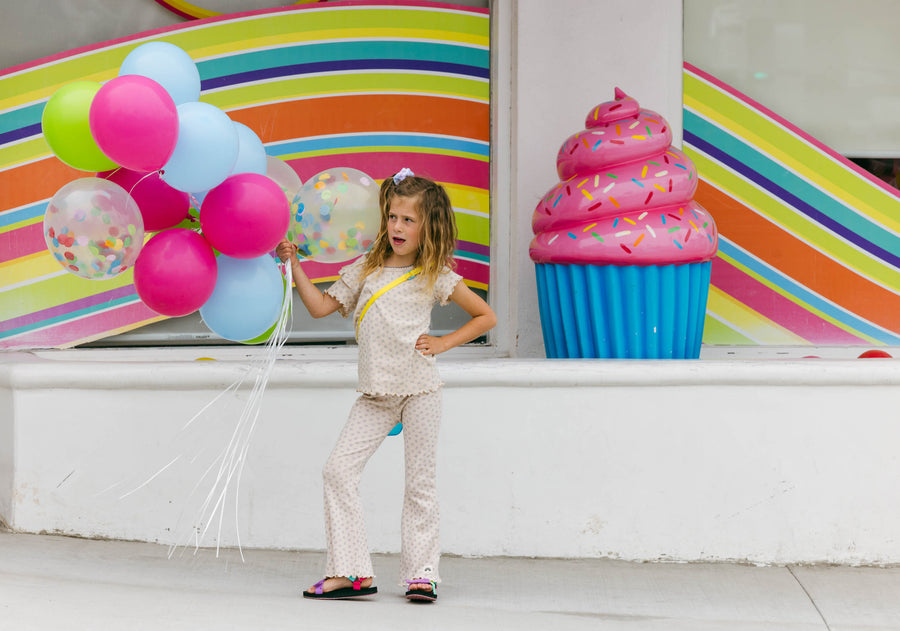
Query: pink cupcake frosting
625,195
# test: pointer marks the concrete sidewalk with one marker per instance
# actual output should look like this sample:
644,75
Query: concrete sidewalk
51,582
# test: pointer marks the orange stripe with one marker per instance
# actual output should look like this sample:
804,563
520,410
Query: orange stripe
367,113
799,261
292,119
28,183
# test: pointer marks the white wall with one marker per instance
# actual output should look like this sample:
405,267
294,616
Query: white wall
763,461
567,57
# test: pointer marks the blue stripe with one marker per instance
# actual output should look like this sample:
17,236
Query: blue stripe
800,292
18,118
23,214
472,256
329,52
784,184
312,145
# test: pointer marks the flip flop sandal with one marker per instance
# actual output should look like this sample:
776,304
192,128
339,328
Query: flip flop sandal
421,594
343,593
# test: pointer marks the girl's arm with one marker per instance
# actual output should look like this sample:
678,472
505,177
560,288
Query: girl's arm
483,320
317,303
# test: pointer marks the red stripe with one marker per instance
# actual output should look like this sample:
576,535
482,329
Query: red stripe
749,291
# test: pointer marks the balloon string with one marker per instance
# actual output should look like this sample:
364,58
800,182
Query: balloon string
229,464
139,181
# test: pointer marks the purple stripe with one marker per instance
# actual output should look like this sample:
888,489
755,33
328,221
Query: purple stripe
20,133
68,307
344,64
474,248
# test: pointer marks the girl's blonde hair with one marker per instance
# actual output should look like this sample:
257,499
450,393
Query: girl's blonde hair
437,238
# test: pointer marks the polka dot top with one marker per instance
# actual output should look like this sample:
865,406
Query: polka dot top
388,360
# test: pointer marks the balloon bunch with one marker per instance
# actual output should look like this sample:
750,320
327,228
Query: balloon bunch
154,146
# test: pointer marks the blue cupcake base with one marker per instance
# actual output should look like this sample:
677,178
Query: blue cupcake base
631,311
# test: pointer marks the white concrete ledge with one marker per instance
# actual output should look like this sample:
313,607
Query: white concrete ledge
25,371
767,461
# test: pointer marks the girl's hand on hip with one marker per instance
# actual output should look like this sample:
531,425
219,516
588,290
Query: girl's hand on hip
429,345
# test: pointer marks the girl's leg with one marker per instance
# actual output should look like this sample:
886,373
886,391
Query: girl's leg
369,422
420,523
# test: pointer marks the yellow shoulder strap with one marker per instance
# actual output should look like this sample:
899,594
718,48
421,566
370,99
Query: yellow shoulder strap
411,273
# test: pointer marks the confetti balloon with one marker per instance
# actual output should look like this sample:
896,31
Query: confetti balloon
94,228
284,175
335,215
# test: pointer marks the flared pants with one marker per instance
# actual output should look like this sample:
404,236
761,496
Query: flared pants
370,420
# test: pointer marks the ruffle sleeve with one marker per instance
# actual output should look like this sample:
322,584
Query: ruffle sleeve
347,288
446,282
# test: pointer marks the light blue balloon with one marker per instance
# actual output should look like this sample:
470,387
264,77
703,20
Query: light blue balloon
206,150
169,66
251,153
247,299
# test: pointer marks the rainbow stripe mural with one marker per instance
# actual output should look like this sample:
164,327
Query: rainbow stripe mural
809,243
369,85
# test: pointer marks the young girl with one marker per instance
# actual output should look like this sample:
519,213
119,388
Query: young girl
390,293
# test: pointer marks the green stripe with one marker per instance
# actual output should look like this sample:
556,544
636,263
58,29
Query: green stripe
105,63
473,228
718,333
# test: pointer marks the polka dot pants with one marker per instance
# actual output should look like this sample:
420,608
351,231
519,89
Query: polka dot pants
370,420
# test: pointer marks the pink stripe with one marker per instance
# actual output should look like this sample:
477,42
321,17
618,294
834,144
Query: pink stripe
470,270
83,330
747,290
740,96
381,164
22,242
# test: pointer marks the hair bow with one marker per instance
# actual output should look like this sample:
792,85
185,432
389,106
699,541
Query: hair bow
402,175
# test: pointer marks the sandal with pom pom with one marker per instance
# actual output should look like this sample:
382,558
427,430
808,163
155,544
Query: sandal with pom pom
422,594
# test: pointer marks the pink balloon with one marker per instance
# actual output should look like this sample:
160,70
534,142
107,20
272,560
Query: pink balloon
245,216
161,205
134,122
175,273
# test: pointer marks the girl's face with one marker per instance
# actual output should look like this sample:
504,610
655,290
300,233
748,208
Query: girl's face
404,228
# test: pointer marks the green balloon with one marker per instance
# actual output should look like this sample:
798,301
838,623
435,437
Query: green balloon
67,129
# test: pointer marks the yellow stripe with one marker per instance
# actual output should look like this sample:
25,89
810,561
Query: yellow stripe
28,268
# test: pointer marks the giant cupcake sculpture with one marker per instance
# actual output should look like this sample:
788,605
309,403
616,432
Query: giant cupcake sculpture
621,250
